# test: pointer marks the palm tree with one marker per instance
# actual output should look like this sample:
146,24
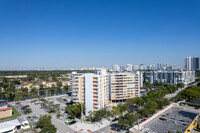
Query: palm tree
7,96
33,91
66,88
50,90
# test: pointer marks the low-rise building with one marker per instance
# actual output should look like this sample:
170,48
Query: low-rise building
64,82
27,85
5,109
15,76
12,125
36,86
50,84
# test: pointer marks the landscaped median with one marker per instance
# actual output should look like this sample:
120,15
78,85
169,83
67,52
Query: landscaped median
14,114
191,104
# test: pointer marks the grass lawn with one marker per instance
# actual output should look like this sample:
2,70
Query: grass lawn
14,114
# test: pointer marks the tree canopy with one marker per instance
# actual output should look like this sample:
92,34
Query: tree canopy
45,124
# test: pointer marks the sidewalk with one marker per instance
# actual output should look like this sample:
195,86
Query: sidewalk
89,127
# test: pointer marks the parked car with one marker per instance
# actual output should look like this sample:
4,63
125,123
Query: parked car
73,122
35,118
70,121
44,100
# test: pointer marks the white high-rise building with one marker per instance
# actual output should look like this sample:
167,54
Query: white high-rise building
192,63
129,67
116,68
135,67
91,90
142,67
149,67
170,77
188,64
195,63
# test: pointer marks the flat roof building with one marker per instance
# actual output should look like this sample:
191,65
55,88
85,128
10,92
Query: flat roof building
173,118
170,77
124,85
91,90
12,125
5,109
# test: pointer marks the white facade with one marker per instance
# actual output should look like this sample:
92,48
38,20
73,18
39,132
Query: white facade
11,126
170,77
135,67
101,71
91,89
88,92
129,67
188,64
116,68
192,63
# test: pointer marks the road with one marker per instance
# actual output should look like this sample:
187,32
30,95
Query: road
108,129
60,125
169,96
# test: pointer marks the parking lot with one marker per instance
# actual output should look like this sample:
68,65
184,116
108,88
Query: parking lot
40,107
37,111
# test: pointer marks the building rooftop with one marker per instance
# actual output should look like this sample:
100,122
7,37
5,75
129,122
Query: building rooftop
174,119
9,125
4,104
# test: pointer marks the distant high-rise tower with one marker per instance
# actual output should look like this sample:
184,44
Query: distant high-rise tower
116,67
195,63
135,67
129,67
192,64
188,64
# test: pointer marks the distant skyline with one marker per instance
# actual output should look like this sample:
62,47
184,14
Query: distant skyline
58,34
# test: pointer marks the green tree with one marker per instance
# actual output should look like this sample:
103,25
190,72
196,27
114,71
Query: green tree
151,106
27,110
109,114
91,116
33,92
122,108
45,124
143,112
18,94
49,129
59,84
66,88
7,96
115,111
180,85
75,110
127,120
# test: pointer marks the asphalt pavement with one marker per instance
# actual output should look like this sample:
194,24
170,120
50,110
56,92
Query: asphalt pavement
60,125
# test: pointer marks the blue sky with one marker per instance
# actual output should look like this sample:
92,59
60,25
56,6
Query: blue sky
60,34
